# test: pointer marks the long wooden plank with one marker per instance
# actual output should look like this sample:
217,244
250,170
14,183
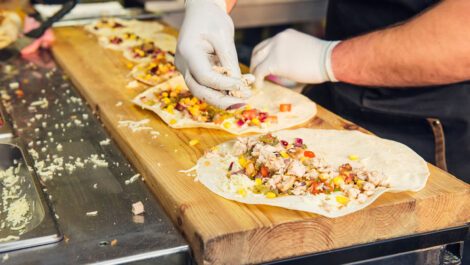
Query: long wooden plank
225,232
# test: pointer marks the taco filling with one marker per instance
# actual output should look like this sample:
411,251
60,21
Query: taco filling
282,168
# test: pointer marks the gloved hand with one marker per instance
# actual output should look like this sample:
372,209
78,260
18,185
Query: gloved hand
208,32
293,55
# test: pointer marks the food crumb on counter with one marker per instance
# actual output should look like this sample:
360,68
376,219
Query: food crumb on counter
95,186
138,208
119,104
93,213
114,242
135,126
105,142
132,179
133,84
193,142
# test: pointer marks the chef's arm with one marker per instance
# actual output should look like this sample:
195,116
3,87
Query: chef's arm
430,49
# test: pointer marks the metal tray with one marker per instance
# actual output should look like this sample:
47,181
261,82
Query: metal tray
6,133
40,227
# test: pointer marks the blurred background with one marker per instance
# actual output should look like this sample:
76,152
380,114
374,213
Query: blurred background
255,20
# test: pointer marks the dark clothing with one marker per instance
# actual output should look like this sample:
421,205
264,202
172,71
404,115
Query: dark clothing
400,114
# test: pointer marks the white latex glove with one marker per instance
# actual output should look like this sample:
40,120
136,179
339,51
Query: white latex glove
293,55
208,32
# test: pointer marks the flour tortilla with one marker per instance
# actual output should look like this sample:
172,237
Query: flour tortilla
405,169
138,73
129,55
126,43
163,41
142,27
268,99
97,27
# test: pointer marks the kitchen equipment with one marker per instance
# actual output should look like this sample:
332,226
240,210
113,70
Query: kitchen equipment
39,225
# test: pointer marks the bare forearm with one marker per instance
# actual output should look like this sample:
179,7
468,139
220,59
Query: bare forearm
431,49
230,5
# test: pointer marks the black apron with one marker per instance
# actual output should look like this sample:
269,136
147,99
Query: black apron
433,121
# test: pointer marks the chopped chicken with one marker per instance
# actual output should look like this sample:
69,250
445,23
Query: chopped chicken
296,168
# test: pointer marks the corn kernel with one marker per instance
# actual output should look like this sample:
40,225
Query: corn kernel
242,161
227,125
194,111
170,109
258,181
166,100
242,192
130,65
270,195
255,121
165,94
247,107
359,183
338,181
172,121
342,200
193,142
194,100
284,154
353,157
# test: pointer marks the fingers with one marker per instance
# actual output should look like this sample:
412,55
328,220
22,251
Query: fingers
211,96
260,53
201,69
259,61
227,54
261,46
261,71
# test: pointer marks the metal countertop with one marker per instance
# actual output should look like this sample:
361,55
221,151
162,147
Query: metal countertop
50,118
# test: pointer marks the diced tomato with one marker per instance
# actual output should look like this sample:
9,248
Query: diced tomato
240,123
264,171
350,177
272,119
285,107
313,188
262,116
284,143
116,40
309,154
249,114
218,119
298,142
179,107
19,93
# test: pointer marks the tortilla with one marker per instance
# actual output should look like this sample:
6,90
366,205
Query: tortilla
113,26
107,26
145,52
404,169
144,73
163,41
120,41
267,100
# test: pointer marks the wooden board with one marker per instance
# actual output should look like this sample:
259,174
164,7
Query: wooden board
225,232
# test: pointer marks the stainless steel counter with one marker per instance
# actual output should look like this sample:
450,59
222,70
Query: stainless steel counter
84,175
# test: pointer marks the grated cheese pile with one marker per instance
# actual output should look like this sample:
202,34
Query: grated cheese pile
15,213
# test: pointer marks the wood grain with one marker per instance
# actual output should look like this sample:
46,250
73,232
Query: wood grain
226,232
